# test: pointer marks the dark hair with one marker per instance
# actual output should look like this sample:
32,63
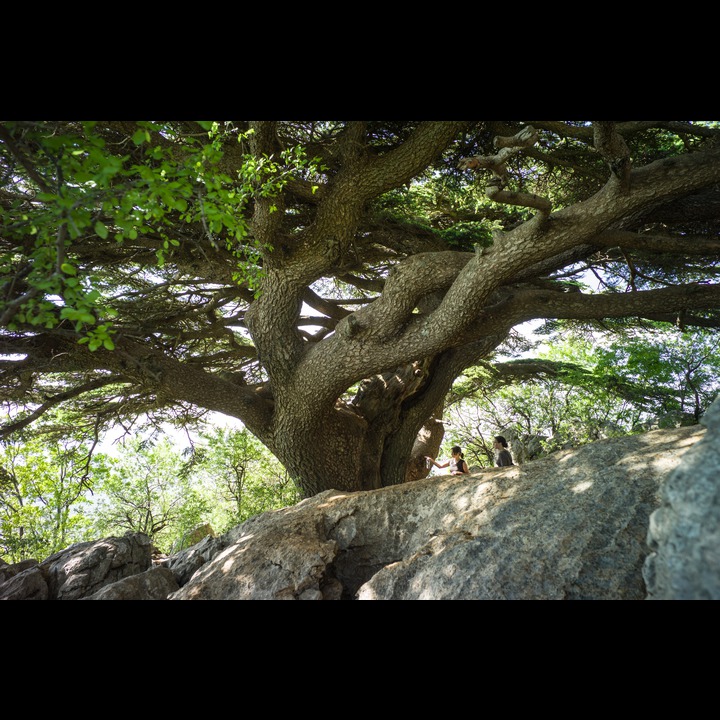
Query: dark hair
501,440
457,449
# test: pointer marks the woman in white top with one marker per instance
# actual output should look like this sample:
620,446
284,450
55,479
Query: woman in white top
457,465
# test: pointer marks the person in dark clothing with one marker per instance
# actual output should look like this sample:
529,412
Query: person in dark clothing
502,454
457,465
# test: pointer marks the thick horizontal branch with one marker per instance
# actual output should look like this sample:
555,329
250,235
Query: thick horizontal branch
547,304
521,199
682,244
626,128
529,369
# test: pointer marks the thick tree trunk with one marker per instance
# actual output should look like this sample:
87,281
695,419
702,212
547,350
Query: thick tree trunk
356,445
381,437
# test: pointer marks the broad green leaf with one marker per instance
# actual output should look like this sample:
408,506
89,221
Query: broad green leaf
101,230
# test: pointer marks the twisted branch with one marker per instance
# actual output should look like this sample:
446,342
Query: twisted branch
497,164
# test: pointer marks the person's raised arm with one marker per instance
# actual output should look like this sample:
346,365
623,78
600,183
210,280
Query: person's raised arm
437,464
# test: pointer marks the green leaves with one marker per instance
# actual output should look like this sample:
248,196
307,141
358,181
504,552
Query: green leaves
43,486
141,136
77,315
155,488
99,337
244,477
138,192
581,389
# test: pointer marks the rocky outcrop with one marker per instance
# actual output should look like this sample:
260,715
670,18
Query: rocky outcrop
154,584
684,532
573,525
80,570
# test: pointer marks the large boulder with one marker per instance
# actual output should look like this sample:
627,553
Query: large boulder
684,532
80,570
153,584
569,526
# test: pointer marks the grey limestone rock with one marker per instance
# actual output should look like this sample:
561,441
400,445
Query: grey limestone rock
153,584
684,532
81,569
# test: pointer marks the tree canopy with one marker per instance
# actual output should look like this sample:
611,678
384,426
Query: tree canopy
326,282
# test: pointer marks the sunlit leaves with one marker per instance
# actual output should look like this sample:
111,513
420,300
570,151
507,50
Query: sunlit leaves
99,337
43,485
134,190
245,479
101,229
145,490
141,136
51,497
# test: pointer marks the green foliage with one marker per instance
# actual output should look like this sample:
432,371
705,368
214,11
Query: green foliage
43,490
660,378
680,371
53,495
157,488
465,235
145,490
550,413
242,476
463,214
85,191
